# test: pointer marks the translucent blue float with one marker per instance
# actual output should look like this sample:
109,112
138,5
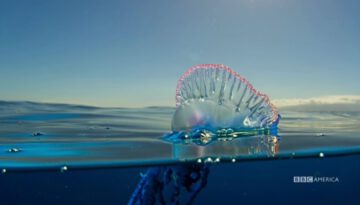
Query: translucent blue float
214,101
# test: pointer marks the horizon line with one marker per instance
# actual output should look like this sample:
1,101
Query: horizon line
280,103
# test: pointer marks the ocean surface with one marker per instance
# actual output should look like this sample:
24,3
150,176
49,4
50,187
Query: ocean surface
71,154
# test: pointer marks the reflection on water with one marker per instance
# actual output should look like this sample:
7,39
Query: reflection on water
55,135
227,149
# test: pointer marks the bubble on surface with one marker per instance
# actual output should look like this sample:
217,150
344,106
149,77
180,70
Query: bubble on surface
14,150
209,160
37,134
63,169
212,99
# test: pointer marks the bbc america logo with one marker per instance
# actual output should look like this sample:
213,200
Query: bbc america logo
303,179
311,179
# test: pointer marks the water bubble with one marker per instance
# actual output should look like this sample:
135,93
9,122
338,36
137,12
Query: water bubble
233,160
3,171
217,159
199,160
208,159
63,169
321,155
14,150
37,134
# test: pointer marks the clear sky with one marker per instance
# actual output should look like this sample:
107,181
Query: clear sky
131,53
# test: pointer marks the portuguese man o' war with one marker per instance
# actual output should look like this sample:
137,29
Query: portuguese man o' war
212,102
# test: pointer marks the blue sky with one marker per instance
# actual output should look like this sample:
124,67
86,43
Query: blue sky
131,53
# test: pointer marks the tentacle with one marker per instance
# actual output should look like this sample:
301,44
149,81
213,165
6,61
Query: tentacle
147,188
164,184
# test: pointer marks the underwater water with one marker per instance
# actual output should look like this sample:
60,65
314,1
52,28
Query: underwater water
57,153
